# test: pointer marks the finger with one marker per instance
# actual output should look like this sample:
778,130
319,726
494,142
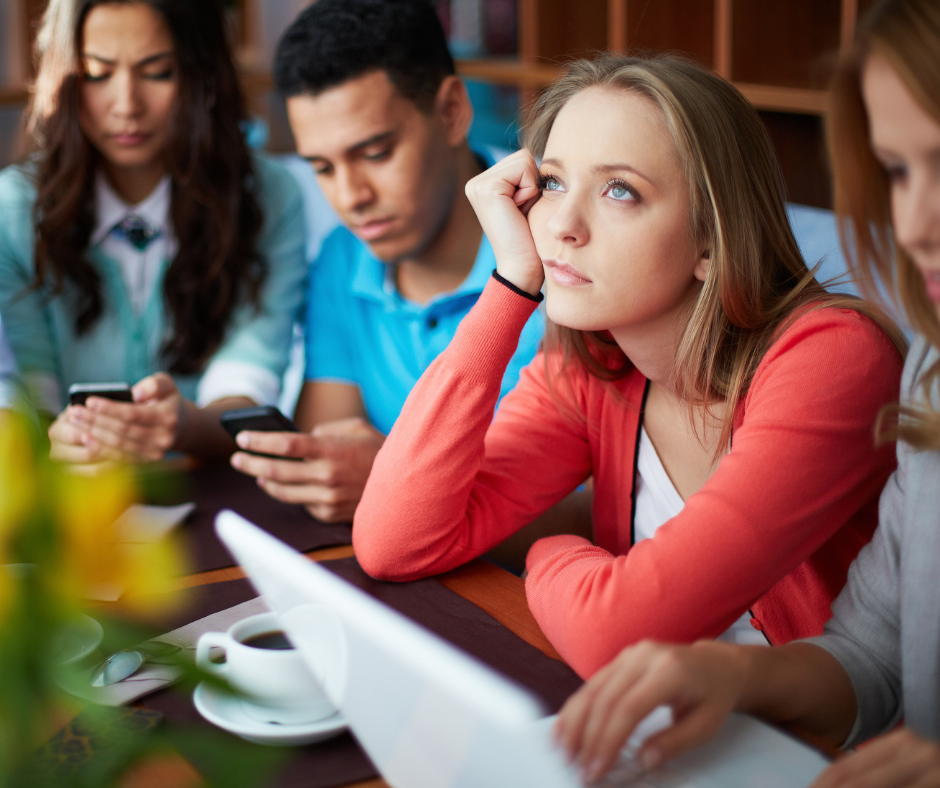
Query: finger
319,472
569,728
70,453
690,730
147,442
132,413
129,439
307,494
283,444
154,387
618,708
528,188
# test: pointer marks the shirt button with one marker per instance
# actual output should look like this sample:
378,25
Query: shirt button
432,323
757,625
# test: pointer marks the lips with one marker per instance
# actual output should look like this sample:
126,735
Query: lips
932,283
565,274
372,230
131,138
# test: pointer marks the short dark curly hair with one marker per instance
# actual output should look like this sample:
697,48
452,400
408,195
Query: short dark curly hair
334,41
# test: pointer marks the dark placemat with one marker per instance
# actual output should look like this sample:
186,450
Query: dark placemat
470,628
217,487
340,761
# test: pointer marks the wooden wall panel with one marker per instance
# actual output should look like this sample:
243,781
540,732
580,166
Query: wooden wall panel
683,26
800,146
784,43
558,30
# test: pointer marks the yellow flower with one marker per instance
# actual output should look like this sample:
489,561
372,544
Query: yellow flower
97,561
17,474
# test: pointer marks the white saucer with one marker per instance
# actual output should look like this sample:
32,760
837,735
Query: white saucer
228,713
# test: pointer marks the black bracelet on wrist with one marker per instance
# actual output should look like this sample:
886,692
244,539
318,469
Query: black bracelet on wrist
537,297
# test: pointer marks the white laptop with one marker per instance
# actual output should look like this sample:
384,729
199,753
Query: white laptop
431,716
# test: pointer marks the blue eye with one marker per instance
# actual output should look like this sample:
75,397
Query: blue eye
547,183
619,191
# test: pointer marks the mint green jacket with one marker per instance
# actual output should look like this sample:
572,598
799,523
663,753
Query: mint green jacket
122,346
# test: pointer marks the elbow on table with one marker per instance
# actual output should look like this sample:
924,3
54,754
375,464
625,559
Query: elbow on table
381,558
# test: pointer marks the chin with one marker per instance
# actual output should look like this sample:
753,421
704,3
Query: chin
565,310
395,250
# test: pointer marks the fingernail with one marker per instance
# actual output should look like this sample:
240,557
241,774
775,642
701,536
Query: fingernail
236,461
650,758
242,440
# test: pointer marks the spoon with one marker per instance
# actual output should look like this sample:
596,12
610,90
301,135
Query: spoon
119,666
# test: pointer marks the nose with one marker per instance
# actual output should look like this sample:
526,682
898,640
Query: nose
916,212
353,191
126,101
569,223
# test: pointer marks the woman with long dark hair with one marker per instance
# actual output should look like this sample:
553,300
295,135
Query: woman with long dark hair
142,241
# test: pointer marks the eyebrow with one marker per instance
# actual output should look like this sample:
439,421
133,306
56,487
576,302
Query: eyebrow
373,140
145,62
603,168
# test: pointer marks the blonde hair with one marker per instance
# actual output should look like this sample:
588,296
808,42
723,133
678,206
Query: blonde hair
906,33
756,279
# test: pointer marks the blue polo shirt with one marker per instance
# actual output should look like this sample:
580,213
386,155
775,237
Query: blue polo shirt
360,330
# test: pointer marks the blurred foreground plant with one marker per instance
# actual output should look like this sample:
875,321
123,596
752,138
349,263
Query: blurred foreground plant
60,545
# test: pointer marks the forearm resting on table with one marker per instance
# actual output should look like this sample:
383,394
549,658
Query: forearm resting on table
799,684
201,432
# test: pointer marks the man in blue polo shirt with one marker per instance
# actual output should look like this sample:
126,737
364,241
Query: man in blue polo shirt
377,109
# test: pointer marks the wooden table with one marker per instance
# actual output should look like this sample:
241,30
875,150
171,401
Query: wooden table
496,591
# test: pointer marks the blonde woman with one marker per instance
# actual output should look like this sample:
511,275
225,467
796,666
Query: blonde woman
722,401
877,662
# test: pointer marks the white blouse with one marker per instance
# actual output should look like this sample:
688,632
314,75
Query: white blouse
657,501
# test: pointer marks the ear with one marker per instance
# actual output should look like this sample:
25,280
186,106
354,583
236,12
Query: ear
700,271
452,105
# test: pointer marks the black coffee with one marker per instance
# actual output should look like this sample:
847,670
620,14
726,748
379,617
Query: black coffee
272,640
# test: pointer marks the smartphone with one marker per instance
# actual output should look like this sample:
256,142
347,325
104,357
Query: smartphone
79,392
264,418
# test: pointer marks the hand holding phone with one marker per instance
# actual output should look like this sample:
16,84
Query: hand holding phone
264,418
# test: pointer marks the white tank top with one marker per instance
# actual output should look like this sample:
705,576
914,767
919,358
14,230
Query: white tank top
657,501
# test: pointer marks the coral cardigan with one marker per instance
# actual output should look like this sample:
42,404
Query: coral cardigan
773,530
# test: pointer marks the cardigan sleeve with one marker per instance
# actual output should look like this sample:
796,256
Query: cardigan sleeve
256,351
451,481
26,317
802,464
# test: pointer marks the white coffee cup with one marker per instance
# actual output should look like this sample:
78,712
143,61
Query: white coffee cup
276,682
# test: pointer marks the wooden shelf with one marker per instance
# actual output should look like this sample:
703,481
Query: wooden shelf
13,95
781,99
509,71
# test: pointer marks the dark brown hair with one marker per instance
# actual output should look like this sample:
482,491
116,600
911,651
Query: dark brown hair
215,216
906,33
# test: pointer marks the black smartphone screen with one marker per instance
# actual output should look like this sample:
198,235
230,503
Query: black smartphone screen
264,418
